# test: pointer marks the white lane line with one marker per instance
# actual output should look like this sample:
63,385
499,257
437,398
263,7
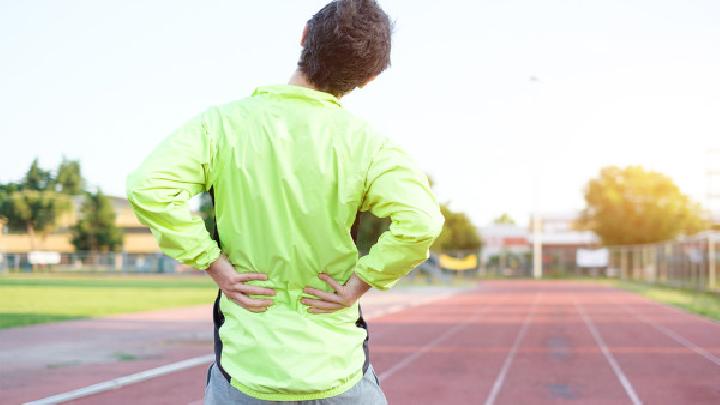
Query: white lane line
674,336
448,333
401,307
126,380
500,379
184,364
624,381
414,355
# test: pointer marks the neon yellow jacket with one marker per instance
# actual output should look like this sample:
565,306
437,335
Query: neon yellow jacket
290,168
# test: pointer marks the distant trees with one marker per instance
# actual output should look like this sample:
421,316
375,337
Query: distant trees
459,233
632,206
69,179
504,219
33,205
34,211
38,179
36,203
369,228
207,211
96,231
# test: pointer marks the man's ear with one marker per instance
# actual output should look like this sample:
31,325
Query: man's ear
304,35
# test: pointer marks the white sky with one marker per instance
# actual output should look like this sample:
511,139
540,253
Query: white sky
620,82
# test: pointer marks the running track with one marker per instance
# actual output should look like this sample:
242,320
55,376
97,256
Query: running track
519,342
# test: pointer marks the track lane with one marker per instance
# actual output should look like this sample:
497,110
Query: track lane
662,369
559,359
462,367
453,350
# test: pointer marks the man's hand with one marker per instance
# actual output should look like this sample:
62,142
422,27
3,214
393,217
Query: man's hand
344,296
233,285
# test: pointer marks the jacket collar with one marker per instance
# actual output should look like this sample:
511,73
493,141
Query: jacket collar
292,91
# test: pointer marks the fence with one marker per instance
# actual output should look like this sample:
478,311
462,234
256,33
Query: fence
113,262
689,263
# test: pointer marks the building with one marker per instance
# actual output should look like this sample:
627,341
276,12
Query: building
507,248
561,241
498,238
136,237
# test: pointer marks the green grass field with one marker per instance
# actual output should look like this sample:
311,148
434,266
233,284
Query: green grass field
29,299
38,298
702,303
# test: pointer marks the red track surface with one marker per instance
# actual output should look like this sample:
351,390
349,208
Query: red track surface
520,342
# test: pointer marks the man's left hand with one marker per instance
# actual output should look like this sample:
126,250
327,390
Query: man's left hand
344,296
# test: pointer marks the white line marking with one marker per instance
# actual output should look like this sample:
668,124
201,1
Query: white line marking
196,361
126,380
629,390
500,379
400,307
415,355
674,336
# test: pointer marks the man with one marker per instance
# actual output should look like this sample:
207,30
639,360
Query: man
290,169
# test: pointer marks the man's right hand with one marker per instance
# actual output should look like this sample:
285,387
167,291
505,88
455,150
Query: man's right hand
233,285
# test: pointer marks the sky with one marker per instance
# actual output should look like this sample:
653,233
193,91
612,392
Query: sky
511,106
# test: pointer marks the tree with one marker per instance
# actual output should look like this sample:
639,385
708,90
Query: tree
5,204
207,212
33,205
34,211
368,229
634,206
69,179
96,229
504,219
459,233
37,179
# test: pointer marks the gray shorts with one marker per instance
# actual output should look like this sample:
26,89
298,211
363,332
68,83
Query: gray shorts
366,392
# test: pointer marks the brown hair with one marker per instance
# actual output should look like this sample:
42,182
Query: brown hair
347,43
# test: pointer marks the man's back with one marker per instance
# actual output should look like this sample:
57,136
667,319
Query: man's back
291,186
294,167
290,169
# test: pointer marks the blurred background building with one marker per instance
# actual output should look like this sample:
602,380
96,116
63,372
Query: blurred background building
136,236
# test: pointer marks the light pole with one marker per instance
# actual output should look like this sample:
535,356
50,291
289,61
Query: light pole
536,220
537,246
712,269
712,177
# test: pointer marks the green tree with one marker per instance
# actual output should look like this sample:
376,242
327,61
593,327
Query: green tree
69,178
632,206
34,211
459,233
96,230
207,211
36,178
504,219
5,204
368,229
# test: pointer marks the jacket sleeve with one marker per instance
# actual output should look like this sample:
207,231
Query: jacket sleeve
159,191
396,188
